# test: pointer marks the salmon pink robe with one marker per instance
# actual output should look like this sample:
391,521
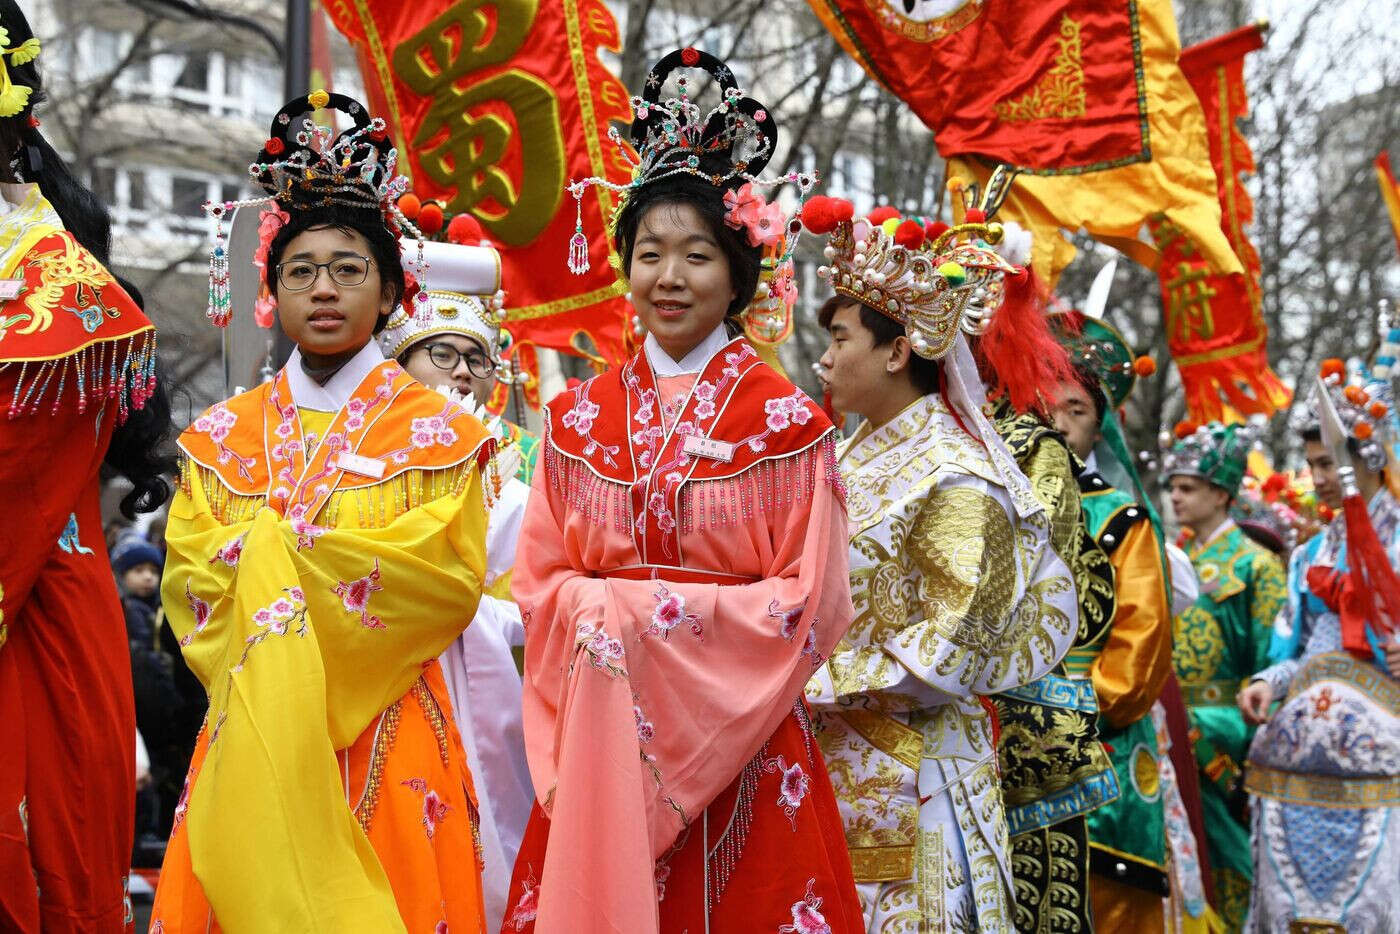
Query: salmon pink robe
681,572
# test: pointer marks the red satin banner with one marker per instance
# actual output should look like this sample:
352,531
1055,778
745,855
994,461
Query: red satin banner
495,105
1053,87
1215,330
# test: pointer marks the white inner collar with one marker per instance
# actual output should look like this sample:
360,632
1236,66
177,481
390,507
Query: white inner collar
662,364
308,394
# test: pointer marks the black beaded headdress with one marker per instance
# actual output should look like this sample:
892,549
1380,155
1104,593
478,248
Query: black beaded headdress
304,165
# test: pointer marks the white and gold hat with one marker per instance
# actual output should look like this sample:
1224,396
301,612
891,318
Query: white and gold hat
465,298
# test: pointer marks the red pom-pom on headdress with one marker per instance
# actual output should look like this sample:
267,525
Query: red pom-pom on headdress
430,218
1026,362
909,234
935,229
465,229
1185,429
821,214
975,216
881,214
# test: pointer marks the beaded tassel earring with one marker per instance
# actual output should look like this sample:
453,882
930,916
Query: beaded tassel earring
578,244
220,297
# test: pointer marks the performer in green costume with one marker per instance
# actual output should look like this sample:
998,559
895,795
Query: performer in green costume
1127,656
1221,639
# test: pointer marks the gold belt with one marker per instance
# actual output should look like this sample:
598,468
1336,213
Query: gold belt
882,863
896,740
1321,790
1209,693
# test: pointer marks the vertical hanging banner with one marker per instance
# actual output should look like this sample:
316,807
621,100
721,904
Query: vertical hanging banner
495,105
1215,329
1390,193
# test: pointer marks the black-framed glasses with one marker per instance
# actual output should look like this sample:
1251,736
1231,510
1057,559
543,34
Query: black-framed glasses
446,357
298,275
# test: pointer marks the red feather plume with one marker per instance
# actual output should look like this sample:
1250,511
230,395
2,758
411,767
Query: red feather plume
1019,355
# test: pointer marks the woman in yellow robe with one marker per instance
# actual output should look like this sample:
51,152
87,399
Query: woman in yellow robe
325,546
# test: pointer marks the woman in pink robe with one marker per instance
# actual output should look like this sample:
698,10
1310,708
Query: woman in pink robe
681,573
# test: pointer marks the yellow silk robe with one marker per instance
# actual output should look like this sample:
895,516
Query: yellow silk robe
319,563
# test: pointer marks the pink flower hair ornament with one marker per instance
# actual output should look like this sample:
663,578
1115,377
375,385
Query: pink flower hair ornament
270,222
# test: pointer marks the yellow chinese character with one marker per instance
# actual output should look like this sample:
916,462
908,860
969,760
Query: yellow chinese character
464,142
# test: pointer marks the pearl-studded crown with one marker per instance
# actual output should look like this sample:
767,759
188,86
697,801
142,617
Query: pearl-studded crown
949,285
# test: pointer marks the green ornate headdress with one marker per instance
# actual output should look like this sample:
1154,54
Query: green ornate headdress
1095,345
1214,452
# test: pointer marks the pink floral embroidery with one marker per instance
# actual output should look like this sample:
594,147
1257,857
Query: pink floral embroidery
790,618
355,595
663,874
580,419
275,619
217,423
785,411
306,531
529,904
603,652
669,613
806,919
434,808
810,648
183,805
645,731
793,786
430,431
705,392
201,611
231,552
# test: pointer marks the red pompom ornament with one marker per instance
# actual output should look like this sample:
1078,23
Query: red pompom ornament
430,218
465,229
275,147
910,235
881,214
822,214
409,205
1184,429
1333,367
975,216
935,229
1378,410
1356,395
1362,431
1326,513
1144,366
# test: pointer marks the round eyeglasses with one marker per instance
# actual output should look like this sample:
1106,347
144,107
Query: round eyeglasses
446,357
298,275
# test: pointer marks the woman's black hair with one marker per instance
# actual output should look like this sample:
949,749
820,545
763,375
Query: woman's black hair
923,374
140,447
82,212
745,261
368,223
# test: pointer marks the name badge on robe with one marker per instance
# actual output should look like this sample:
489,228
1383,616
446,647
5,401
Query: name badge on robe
371,467
10,289
711,448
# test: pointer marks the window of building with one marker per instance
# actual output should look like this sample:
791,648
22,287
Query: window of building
187,196
194,73
136,198
104,184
